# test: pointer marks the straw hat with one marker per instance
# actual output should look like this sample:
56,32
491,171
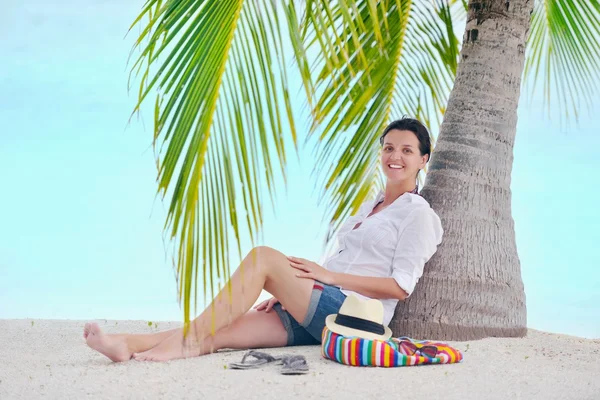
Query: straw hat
361,318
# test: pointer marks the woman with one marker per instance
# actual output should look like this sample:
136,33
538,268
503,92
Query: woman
383,249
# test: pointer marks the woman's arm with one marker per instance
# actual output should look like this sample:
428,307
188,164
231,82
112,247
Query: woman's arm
375,288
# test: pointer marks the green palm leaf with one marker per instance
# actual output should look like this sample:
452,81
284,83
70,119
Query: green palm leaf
368,77
221,111
564,46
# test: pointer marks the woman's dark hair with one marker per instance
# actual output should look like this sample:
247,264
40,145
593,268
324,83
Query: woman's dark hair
416,127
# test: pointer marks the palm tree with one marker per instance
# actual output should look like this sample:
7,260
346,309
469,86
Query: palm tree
223,114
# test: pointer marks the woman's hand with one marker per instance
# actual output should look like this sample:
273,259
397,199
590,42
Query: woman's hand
267,305
312,270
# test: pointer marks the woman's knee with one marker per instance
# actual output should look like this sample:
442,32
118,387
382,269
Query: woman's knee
265,256
262,250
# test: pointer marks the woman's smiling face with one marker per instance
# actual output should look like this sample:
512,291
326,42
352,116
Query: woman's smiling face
401,157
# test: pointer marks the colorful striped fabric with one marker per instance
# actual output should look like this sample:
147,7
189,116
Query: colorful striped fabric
378,353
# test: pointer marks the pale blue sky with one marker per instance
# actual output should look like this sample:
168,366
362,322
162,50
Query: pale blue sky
81,231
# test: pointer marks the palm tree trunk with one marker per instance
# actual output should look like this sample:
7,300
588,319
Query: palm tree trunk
472,287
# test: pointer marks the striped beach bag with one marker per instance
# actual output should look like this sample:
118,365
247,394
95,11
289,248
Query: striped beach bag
395,352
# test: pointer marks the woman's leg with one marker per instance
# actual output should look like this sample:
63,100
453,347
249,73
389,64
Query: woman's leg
263,268
120,347
255,329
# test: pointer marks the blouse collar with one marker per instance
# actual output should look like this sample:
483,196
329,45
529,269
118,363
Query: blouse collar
380,196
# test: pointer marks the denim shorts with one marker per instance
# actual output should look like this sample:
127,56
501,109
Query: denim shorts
324,300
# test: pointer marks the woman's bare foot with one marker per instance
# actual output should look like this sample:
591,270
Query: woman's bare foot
112,347
171,348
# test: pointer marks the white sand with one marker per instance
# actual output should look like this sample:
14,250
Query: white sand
50,359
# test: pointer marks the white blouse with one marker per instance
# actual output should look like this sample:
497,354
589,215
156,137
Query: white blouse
396,242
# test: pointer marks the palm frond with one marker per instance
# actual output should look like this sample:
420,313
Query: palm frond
564,46
368,77
221,116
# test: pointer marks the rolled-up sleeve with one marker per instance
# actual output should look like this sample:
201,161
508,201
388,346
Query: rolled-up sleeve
416,245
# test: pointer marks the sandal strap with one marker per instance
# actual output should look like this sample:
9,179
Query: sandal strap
291,360
259,355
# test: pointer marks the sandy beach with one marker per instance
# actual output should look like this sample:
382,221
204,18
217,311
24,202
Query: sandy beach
49,359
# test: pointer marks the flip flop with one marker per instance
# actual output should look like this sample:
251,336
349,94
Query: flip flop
254,359
294,365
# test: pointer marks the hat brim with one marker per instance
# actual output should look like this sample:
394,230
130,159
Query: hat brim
346,331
